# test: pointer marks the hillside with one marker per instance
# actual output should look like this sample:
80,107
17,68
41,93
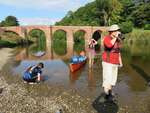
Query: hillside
107,12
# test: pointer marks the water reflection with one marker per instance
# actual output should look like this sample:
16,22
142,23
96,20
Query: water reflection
133,77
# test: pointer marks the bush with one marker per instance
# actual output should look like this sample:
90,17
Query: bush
126,27
147,27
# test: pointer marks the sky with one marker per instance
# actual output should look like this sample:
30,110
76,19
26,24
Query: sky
38,12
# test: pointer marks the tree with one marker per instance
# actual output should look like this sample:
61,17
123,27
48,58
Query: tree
109,9
141,15
128,8
2,24
107,12
9,21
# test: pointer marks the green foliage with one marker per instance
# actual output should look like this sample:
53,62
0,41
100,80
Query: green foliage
38,37
141,14
9,21
83,16
147,27
126,27
79,42
59,42
107,12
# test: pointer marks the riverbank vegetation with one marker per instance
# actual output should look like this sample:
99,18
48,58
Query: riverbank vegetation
11,39
138,36
126,13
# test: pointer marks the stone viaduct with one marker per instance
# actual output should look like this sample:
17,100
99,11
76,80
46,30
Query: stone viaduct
23,31
49,31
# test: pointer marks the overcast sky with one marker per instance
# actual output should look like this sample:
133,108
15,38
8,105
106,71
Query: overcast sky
38,12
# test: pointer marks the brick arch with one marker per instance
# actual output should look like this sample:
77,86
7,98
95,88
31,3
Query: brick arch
17,29
97,31
45,29
28,33
82,30
28,30
56,30
12,31
94,30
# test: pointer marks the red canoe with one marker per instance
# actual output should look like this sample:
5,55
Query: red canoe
76,66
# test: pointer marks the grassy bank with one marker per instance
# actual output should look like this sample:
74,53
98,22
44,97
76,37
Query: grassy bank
138,35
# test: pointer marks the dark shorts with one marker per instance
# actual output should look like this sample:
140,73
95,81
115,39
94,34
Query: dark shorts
30,80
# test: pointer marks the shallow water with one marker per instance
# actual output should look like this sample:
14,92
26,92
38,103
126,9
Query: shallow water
132,80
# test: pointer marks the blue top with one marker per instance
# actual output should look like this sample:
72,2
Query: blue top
32,72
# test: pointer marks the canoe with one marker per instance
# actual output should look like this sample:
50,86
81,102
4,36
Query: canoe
39,53
76,66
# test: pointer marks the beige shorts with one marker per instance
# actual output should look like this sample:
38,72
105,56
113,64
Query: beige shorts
110,73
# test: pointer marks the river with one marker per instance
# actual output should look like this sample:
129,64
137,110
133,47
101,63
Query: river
133,80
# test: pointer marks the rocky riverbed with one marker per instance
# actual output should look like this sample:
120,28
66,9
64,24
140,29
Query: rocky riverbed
18,97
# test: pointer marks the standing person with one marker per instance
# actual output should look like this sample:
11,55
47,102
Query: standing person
33,73
92,53
111,59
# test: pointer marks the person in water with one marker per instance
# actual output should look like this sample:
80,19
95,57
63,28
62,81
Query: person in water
33,73
92,52
111,59
80,58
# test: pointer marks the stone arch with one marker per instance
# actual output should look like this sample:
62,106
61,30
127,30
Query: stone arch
59,42
82,30
31,29
97,34
56,30
79,40
45,29
6,31
39,38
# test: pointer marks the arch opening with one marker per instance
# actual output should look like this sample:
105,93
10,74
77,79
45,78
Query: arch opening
97,36
59,42
79,41
38,38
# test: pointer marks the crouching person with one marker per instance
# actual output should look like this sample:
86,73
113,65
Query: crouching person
33,73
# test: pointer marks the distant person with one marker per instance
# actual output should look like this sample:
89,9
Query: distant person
92,52
33,73
111,59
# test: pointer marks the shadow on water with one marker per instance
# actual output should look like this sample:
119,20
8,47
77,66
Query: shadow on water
142,73
103,106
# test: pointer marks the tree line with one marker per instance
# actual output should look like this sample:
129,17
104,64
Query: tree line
127,13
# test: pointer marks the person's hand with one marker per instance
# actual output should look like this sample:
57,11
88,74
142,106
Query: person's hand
120,65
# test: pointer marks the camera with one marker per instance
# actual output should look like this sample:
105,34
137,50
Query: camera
121,36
